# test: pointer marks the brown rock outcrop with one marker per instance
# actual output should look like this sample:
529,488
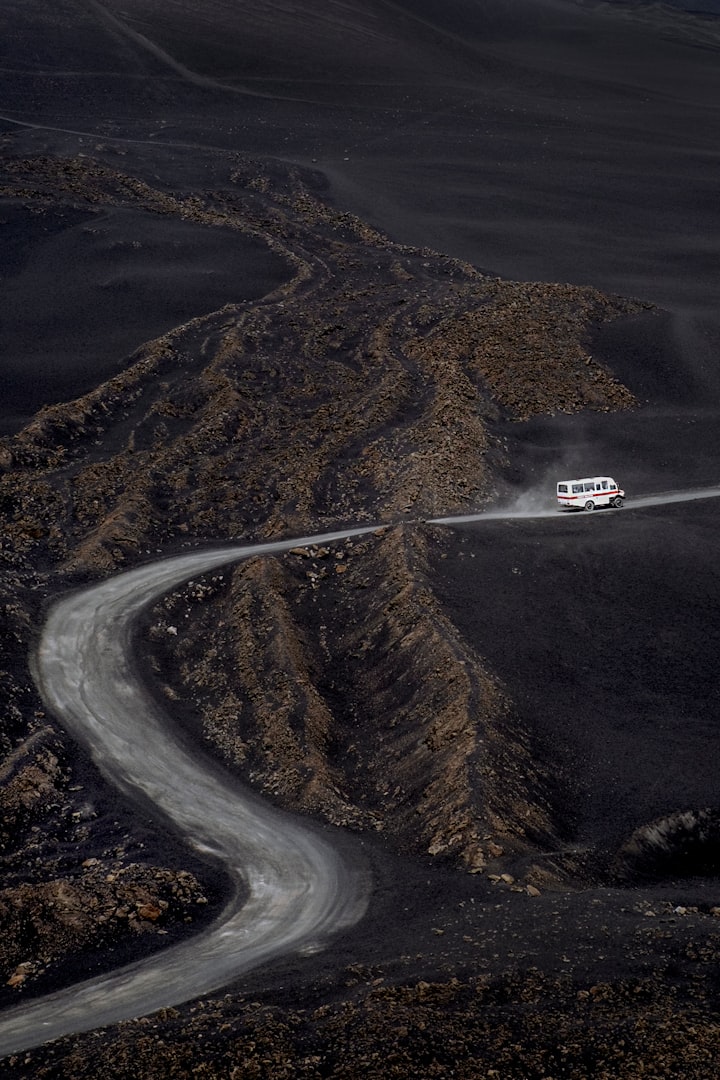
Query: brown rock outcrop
352,696
366,387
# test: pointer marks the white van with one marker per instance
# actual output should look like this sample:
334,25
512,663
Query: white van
588,493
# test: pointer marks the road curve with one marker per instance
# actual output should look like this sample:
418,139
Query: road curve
292,887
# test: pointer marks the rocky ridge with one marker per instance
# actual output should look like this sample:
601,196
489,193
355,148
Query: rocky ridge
365,389
333,682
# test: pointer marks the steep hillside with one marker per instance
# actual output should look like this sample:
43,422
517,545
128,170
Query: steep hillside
364,389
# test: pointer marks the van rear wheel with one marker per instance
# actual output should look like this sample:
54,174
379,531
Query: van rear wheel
589,505
617,501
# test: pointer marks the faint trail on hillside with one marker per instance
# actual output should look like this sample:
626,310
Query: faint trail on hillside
204,82
105,137
299,887
146,45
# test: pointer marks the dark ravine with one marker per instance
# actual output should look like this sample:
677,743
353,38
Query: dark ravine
289,669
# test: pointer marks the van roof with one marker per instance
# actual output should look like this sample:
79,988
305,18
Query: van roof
586,480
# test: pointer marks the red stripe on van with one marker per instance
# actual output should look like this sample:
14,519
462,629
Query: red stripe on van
590,494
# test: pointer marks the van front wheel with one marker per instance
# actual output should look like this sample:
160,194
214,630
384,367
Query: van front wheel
589,505
617,501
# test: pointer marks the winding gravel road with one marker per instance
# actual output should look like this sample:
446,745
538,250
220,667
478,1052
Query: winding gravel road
292,887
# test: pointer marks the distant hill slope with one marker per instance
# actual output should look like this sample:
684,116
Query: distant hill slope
366,387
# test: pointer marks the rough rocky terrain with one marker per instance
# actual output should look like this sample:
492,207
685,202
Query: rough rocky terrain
519,722
270,418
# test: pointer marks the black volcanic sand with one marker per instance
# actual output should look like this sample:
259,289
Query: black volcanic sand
83,289
555,140
551,140
544,139
605,629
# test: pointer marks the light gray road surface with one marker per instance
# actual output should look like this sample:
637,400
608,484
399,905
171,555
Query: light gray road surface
300,889
536,506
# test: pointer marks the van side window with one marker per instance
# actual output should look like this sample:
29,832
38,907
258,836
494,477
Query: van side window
589,487
605,485
577,488
562,487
